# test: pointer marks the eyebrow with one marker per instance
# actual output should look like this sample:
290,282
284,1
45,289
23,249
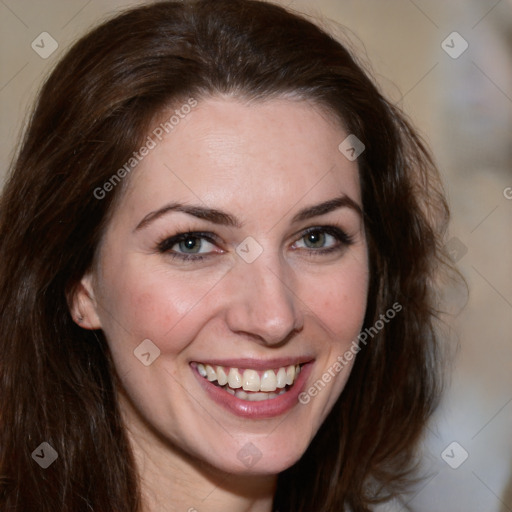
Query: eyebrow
225,219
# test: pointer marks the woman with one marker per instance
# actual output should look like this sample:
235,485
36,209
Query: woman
218,244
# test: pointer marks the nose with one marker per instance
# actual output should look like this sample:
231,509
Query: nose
262,303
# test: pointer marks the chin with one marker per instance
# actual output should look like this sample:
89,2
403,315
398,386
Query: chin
262,456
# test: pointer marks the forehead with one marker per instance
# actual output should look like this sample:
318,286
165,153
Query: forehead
265,156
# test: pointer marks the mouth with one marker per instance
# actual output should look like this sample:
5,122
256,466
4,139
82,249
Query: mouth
249,384
253,389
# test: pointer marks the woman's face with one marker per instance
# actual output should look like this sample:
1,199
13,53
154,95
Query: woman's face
271,278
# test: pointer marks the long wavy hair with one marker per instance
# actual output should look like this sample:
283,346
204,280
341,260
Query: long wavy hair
57,381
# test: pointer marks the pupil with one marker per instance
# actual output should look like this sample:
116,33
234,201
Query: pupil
190,244
315,239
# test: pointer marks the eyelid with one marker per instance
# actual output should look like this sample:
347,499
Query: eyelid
340,234
167,243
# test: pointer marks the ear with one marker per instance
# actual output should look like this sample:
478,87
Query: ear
83,305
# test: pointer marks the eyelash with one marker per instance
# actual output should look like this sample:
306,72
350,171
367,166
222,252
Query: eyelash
165,245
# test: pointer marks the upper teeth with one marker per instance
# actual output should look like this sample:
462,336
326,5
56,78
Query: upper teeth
250,380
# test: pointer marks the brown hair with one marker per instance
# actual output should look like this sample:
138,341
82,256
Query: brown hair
57,380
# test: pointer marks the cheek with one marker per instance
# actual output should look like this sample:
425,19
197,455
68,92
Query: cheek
338,299
149,302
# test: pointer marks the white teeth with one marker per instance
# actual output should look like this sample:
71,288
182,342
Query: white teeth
210,373
257,397
201,370
234,378
290,375
241,394
222,378
254,397
281,378
247,384
251,380
268,381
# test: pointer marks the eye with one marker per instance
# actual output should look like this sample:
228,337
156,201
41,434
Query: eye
318,240
189,246
324,239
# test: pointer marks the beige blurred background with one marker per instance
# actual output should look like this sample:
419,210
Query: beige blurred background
463,107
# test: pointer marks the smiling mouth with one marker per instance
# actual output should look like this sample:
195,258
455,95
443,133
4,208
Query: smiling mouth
248,384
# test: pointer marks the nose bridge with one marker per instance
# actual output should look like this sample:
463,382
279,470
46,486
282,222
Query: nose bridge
264,304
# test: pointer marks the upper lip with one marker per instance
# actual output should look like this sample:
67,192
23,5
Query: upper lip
256,364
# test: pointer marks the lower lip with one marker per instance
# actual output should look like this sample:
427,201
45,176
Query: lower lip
270,408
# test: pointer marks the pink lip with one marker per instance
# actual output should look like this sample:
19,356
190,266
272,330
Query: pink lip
256,410
257,364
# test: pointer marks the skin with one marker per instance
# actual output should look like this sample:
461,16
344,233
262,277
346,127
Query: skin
261,162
